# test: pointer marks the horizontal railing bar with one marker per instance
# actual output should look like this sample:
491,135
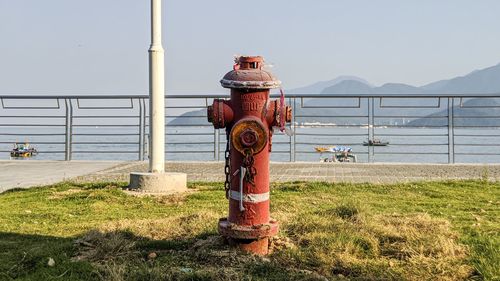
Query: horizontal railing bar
381,126
75,97
476,117
33,142
30,134
337,144
71,96
477,144
409,116
414,144
186,107
97,142
31,125
315,152
104,151
331,126
331,134
391,144
330,116
487,136
477,154
473,154
412,135
188,125
104,116
40,152
105,134
187,143
477,126
381,95
296,116
183,116
187,151
378,125
31,116
290,95
364,116
104,125
411,153
189,134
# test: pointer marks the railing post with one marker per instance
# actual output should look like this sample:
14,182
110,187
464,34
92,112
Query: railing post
145,139
69,130
371,130
292,137
451,132
142,114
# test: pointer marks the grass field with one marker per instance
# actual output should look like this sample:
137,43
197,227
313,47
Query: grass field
417,231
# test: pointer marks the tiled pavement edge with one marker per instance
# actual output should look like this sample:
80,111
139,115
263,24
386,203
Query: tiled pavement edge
330,172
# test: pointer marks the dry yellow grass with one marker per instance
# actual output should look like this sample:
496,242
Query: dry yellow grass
172,227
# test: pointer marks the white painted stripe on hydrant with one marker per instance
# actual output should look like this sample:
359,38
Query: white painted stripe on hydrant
252,198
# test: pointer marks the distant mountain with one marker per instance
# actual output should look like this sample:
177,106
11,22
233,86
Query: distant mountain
480,81
191,118
435,86
348,87
471,107
397,88
356,87
319,86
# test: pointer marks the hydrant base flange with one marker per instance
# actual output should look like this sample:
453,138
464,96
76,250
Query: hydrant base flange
231,230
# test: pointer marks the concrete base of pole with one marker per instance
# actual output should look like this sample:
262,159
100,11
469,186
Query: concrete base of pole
159,183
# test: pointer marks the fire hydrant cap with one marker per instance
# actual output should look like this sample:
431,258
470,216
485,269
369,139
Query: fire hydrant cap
248,74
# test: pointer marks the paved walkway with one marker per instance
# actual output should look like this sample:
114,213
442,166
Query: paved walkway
22,174
330,172
27,173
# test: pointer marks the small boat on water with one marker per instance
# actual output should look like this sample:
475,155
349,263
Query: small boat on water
23,150
375,142
338,154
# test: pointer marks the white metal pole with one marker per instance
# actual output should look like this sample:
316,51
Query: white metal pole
156,93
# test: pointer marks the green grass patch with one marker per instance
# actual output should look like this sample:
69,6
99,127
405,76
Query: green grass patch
417,231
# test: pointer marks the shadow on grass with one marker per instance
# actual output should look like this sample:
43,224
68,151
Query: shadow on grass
121,255
26,257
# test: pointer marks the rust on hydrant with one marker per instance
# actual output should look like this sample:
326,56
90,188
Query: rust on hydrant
248,117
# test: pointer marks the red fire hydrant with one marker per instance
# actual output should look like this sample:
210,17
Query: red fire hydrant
248,117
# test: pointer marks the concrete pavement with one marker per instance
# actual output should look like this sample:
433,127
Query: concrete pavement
315,171
27,173
22,174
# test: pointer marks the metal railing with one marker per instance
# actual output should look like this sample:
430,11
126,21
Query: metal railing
419,127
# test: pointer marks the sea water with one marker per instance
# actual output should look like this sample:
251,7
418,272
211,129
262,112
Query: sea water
202,143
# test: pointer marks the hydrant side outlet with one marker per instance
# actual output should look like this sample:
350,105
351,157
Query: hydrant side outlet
248,117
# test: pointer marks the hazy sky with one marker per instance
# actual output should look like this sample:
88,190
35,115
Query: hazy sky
100,46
